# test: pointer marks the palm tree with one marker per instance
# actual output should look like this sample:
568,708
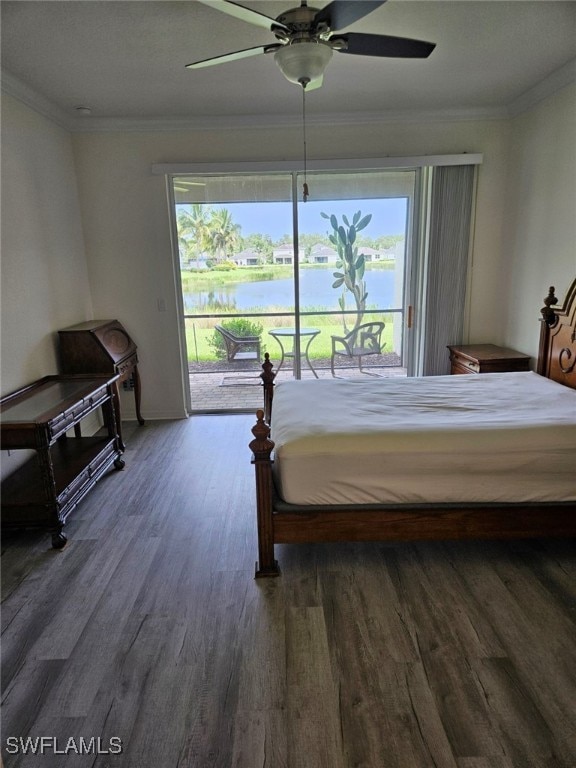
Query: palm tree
223,233
193,229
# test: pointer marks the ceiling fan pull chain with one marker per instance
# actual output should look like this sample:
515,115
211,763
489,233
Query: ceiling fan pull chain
305,192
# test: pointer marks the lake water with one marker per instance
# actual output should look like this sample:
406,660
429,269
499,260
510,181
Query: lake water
315,291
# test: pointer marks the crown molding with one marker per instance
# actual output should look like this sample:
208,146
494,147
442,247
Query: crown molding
90,124
559,79
266,122
19,90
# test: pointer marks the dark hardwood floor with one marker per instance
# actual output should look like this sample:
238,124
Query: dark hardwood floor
149,633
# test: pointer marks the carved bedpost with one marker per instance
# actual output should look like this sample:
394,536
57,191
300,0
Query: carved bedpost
548,321
547,312
267,377
261,448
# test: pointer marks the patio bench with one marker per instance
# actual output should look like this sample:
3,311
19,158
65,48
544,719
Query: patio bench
235,344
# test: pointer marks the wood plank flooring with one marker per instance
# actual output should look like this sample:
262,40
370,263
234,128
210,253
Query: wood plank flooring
150,628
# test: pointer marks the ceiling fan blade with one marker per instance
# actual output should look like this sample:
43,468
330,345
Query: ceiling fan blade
234,56
383,45
245,14
341,13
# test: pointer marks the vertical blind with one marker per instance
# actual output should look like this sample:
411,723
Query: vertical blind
451,204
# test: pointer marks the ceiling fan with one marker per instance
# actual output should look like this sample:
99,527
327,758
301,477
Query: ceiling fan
306,38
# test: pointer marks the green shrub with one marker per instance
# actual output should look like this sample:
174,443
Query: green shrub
240,327
225,266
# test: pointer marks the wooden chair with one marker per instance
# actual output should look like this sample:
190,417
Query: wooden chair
359,342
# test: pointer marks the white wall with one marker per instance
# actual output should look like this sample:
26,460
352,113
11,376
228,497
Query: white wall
540,223
44,275
126,225
125,217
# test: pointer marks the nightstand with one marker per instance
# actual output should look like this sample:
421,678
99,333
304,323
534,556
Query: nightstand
486,358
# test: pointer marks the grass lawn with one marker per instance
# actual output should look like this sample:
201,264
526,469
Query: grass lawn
200,350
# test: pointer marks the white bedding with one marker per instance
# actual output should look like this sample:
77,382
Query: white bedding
497,437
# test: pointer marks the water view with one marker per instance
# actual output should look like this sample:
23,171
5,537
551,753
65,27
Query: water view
238,257
315,291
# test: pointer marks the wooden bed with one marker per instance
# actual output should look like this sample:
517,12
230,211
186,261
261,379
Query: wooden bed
280,522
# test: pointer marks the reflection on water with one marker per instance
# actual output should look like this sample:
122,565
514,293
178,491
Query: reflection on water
315,291
210,301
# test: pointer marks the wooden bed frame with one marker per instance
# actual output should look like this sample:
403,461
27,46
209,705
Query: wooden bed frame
279,522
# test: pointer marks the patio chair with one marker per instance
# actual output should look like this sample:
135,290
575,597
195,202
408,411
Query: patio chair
234,345
360,342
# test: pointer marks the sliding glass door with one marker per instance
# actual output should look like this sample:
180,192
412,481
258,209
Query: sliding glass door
308,282
354,237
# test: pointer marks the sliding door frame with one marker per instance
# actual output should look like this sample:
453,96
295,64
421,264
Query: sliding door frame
417,233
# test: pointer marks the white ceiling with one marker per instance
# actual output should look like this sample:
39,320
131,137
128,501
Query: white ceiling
125,60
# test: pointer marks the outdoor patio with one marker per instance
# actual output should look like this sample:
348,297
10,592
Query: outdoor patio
237,387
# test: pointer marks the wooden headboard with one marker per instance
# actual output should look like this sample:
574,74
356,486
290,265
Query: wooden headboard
557,353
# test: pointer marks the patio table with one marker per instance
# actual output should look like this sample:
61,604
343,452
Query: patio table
281,334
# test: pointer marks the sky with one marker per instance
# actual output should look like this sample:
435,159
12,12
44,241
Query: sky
275,219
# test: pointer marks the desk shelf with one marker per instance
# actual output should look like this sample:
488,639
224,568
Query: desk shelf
47,487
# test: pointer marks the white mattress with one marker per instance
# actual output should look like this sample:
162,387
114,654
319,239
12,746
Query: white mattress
497,437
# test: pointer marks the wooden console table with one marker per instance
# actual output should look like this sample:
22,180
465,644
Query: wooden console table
486,358
102,347
45,489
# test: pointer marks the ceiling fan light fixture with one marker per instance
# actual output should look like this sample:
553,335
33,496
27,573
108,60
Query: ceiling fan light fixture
302,62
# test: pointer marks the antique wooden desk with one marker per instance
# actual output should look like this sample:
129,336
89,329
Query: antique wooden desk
486,358
47,487
102,347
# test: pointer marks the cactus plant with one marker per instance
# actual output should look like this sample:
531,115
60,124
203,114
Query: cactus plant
350,264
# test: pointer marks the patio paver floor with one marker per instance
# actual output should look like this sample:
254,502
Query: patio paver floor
242,390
